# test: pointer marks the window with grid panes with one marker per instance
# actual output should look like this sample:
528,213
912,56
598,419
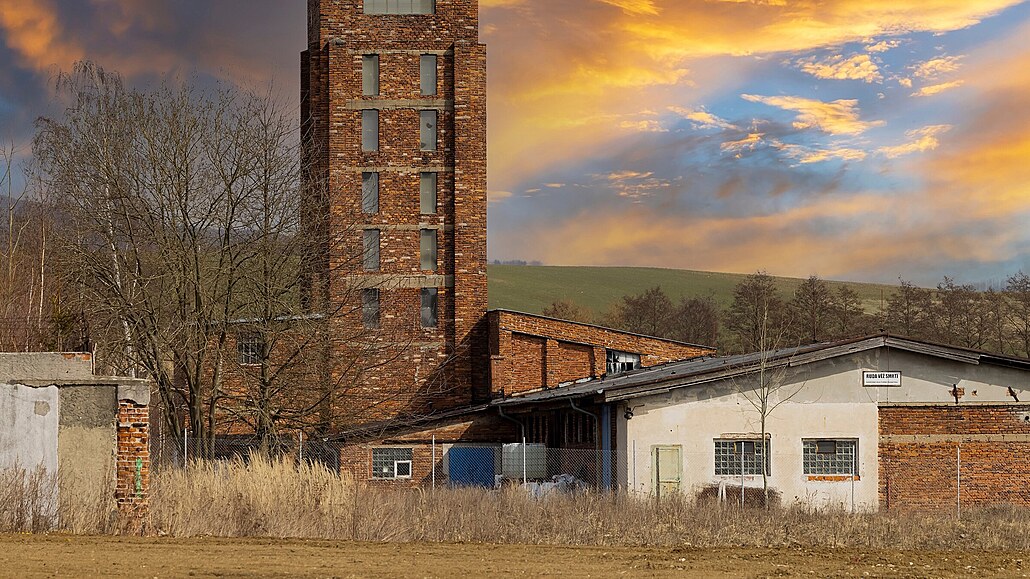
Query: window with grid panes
390,463
732,456
830,456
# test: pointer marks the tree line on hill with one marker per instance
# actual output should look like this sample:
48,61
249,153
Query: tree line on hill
994,320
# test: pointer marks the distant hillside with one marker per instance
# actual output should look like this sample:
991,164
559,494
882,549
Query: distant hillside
532,288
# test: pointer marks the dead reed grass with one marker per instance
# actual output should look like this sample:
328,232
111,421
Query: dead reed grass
263,498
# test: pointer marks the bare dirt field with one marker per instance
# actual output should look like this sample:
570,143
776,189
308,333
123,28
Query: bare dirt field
59,555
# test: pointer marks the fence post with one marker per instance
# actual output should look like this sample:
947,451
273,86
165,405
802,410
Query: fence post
185,446
854,473
742,475
525,478
434,462
635,487
958,480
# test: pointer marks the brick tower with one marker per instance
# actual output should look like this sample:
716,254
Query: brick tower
394,139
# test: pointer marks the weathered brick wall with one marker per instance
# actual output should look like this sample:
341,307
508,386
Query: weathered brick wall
132,488
444,364
571,351
931,457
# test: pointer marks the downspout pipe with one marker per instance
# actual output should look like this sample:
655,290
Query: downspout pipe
522,427
597,419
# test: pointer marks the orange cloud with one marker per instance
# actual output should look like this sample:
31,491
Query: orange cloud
858,67
933,89
840,117
920,140
33,31
585,67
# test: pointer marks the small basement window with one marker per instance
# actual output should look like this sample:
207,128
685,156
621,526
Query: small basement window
370,130
427,74
832,457
736,457
619,362
370,193
430,304
370,308
391,463
427,193
370,75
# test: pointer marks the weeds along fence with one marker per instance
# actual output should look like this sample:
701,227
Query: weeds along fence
733,473
280,498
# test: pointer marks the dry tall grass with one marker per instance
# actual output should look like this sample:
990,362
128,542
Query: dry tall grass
278,499
36,502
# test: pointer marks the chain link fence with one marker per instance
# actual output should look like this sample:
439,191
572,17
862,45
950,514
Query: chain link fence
816,475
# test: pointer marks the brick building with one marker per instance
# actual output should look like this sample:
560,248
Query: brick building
394,135
394,127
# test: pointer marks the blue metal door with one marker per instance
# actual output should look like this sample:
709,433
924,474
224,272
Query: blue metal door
471,466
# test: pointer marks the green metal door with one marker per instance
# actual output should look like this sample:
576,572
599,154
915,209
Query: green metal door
668,469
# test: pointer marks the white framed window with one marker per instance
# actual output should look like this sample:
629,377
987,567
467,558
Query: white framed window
370,130
619,362
737,457
400,6
370,75
427,193
427,131
427,74
391,463
830,456
250,349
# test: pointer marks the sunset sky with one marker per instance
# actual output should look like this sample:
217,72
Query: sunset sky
862,139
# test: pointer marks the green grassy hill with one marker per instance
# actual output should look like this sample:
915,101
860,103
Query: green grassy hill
532,288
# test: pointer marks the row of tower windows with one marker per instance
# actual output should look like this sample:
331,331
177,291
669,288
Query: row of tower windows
427,71
427,193
428,249
371,308
370,130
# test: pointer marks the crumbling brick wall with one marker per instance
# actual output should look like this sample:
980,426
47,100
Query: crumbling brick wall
132,488
936,457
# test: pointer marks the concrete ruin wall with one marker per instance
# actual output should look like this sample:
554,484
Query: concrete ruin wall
89,434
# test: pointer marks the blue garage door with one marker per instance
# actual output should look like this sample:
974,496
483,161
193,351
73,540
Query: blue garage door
471,466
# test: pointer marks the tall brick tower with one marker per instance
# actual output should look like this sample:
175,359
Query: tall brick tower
394,137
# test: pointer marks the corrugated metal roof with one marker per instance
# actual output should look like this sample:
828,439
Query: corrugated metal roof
685,373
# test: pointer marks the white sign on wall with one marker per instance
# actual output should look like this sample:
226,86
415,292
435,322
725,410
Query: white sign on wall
874,379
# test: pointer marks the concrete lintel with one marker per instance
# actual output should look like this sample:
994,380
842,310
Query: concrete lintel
398,169
133,389
389,104
389,282
413,227
373,49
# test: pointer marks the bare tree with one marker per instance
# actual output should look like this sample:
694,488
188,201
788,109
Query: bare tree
757,310
758,320
696,321
908,310
812,305
564,309
847,312
1017,291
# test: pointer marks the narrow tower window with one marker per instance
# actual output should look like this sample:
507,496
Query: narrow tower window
370,193
370,130
429,306
428,131
370,75
400,6
371,249
428,193
428,246
427,67
370,308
